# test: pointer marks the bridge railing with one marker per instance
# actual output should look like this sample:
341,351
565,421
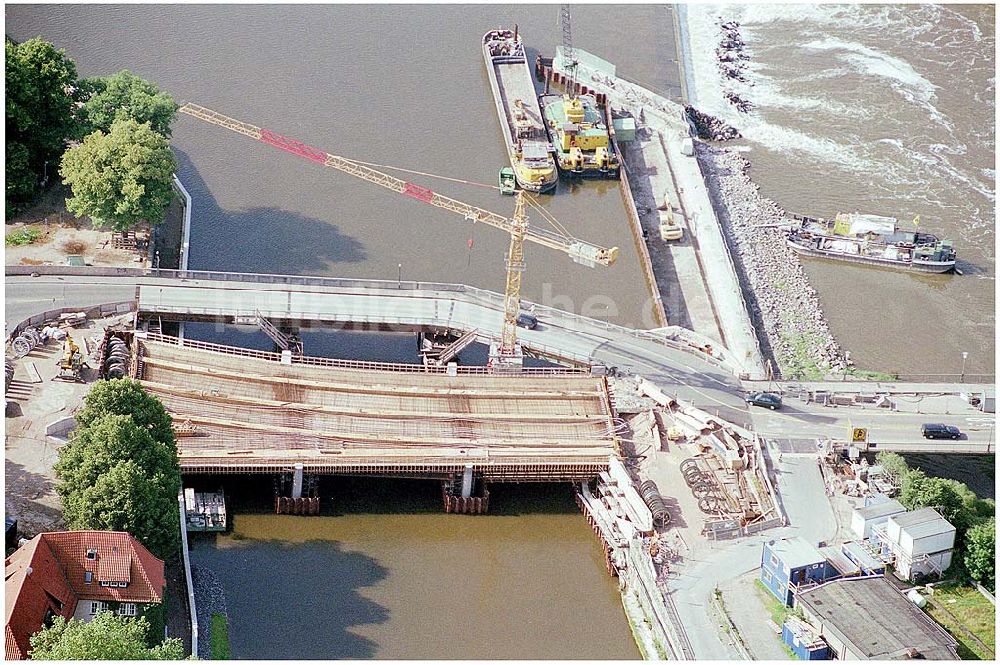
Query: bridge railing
492,298
352,364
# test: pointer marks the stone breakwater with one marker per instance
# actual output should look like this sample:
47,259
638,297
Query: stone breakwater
785,308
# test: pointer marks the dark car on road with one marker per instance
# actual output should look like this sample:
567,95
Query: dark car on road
769,400
525,320
939,431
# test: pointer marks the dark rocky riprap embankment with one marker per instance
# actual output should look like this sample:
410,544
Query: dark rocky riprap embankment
210,598
783,302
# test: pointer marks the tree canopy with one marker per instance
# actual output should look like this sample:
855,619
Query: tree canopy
40,94
107,637
124,96
893,464
125,397
99,446
921,491
980,553
119,470
126,498
120,178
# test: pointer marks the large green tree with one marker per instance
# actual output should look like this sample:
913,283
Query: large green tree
921,491
107,637
102,444
119,470
125,498
120,178
40,94
980,553
124,96
126,397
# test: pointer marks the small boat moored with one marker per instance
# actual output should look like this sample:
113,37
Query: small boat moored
871,239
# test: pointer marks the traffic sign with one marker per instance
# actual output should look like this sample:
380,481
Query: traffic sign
859,435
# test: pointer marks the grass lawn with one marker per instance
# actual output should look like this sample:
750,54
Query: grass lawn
775,607
968,608
220,637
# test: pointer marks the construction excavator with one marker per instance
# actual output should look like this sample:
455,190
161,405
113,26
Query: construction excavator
505,354
71,363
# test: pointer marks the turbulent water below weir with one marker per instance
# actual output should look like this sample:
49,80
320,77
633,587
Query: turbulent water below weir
885,109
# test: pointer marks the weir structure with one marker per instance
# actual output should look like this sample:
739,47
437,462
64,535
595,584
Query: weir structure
243,411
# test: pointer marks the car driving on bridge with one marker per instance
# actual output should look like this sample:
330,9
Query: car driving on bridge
768,400
526,320
939,431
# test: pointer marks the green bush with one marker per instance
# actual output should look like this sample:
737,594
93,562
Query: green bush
22,237
220,637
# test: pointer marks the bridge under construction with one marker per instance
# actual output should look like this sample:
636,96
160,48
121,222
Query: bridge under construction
241,411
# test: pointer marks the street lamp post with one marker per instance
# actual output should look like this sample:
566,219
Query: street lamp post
965,356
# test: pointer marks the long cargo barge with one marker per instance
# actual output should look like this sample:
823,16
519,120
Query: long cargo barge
870,239
518,111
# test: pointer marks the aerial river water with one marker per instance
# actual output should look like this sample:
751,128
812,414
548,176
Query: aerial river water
399,85
864,116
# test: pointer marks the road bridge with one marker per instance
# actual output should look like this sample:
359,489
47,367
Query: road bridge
670,358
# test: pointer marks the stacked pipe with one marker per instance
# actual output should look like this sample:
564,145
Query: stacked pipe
651,495
26,341
8,366
116,360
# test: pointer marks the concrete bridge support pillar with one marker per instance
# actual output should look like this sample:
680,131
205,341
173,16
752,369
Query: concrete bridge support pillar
467,482
297,482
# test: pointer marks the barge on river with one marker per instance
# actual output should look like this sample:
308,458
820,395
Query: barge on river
518,111
870,239
578,131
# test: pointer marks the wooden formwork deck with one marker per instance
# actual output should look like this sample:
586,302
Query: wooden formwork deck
254,414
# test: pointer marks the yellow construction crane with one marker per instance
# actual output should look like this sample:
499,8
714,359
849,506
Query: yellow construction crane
518,227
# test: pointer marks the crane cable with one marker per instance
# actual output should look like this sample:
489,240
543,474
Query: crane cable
546,215
421,173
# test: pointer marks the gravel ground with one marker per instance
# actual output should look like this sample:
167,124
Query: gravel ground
785,307
210,598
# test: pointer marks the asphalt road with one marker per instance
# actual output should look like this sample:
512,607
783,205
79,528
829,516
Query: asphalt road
797,420
27,296
675,371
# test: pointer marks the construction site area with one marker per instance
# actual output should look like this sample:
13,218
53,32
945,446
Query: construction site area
239,411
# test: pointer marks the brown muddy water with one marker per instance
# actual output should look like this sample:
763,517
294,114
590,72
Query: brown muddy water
401,85
385,574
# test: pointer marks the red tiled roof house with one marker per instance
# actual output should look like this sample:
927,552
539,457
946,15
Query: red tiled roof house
76,574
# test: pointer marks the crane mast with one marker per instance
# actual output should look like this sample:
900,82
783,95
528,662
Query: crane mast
569,55
512,294
518,227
